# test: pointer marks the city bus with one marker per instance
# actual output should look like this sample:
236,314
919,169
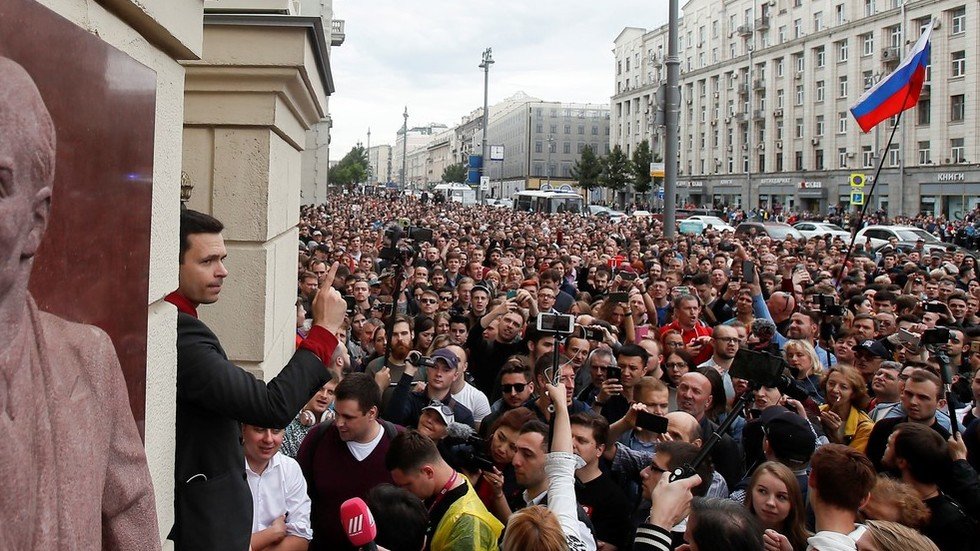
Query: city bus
548,200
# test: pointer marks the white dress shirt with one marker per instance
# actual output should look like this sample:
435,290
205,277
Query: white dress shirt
280,489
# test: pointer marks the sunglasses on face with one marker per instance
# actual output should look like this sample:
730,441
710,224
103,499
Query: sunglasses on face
515,388
428,301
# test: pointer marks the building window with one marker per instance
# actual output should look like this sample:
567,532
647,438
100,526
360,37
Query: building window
581,130
842,87
957,153
797,3
539,128
779,162
820,90
868,78
780,98
581,147
839,13
799,128
957,108
553,128
779,129
842,51
799,94
799,160
869,8
959,63
779,67
818,21
567,147
797,28
782,34
798,62
820,55
893,155
867,156
568,129
842,122
924,111
895,36
818,159
820,125
538,147
924,153
868,44
841,157
958,19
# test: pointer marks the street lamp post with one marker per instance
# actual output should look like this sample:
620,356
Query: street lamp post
404,148
485,65
673,63
368,151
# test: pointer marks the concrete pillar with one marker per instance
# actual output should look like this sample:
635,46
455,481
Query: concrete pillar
261,84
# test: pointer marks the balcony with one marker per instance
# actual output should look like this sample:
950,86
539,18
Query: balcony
337,32
758,115
743,89
744,30
926,91
758,84
762,23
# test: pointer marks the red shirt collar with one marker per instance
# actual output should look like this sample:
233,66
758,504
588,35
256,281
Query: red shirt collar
182,304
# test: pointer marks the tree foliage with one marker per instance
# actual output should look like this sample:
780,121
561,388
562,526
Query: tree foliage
587,169
615,170
454,173
640,167
351,169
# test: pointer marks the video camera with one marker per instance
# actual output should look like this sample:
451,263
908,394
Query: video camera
418,360
828,305
768,370
401,241
465,449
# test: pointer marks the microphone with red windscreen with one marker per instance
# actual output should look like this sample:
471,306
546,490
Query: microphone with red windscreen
359,523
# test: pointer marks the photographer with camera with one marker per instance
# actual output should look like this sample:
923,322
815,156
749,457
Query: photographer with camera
487,357
441,371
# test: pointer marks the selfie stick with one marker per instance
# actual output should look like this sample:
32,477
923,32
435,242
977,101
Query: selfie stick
947,374
688,470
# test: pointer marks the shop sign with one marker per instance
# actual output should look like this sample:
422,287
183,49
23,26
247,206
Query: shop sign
695,183
951,177
811,185
728,183
771,181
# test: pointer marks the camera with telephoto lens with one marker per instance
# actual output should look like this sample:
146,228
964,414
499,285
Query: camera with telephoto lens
936,335
401,241
828,305
726,247
588,333
768,370
418,360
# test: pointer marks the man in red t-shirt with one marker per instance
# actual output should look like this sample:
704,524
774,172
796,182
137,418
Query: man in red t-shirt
696,335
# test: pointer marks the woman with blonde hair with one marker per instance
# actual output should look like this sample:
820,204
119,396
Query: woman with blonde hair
806,366
843,416
775,499
883,535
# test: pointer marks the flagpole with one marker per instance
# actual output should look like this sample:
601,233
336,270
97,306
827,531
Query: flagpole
856,226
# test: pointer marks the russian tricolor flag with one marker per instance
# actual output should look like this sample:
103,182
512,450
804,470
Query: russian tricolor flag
898,91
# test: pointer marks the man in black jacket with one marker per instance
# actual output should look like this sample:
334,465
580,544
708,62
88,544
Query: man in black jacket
213,507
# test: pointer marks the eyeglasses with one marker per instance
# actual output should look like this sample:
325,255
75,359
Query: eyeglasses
428,301
726,340
450,297
516,387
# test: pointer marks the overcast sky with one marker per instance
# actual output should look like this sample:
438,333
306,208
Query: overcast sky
425,54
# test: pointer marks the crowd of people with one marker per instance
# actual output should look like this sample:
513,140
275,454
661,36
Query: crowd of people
467,419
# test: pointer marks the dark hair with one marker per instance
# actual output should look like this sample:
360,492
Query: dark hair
545,362
724,524
683,453
841,475
514,419
194,222
514,365
459,319
400,516
595,422
634,350
719,401
360,387
927,376
537,426
410,450
924,450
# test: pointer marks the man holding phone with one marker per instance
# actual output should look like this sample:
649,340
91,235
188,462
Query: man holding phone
696,335
616,395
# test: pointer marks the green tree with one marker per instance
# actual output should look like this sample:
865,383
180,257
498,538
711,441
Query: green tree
615,171
351,169
587,170
640,166
454,173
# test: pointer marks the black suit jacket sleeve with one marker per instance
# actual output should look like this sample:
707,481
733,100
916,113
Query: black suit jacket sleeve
208,380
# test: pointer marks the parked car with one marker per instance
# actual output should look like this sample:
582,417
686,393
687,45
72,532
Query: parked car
879,235
715,222
698,211
821,229
775,230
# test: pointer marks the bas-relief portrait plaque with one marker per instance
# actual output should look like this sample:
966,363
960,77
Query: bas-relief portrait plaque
93,263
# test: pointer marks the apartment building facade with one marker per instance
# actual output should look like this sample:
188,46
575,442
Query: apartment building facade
765,93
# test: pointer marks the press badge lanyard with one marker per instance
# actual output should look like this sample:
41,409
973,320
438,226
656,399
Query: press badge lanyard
444,490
